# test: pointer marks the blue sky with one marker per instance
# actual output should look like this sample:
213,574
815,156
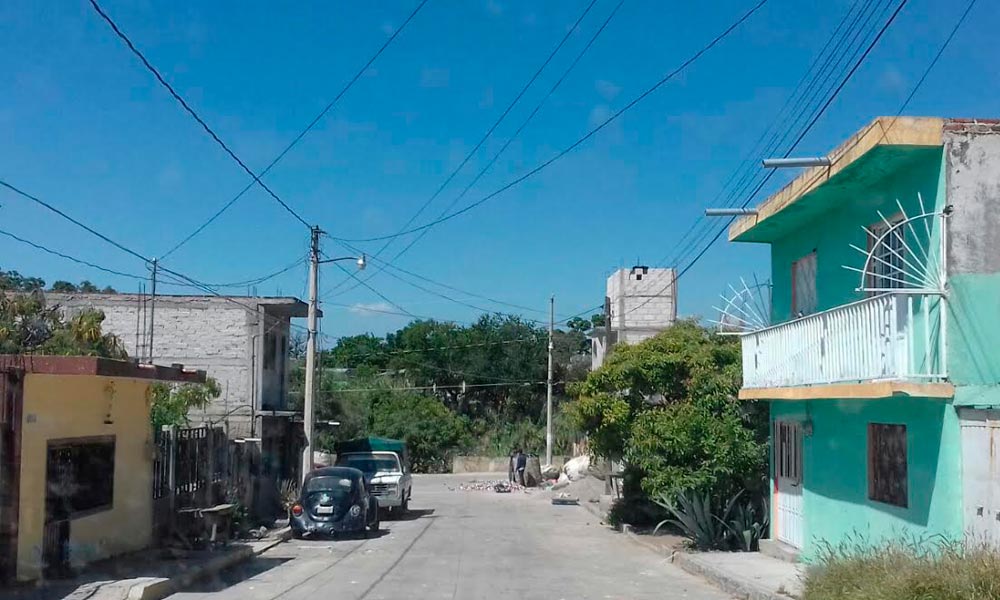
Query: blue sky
84,126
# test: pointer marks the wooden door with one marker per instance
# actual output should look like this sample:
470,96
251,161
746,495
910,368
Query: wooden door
787,499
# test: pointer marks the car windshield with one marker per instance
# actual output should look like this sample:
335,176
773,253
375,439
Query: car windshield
338,487
369,463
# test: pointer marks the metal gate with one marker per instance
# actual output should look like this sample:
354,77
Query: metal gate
788,482
981,473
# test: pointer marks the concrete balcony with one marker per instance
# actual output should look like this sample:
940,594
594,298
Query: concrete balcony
900,336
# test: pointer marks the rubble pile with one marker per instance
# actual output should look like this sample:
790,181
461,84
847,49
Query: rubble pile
499,486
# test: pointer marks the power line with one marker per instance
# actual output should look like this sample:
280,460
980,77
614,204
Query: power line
261,279
748,166
520,128
187,107
89,229
421,288
303,133
455,289
455,347
537,169
496,123
71,258
496,156
443,387
805,131
354,276
802,110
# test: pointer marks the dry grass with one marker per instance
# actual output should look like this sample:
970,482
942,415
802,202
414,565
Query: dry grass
913,570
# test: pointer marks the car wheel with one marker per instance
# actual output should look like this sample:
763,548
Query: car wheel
404,506
296,534
374,526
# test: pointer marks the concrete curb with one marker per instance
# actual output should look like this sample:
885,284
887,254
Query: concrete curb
691,562
159,588
282,536
730,583
593,508
648,545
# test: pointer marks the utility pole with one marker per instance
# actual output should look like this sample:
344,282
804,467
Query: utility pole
308,413
548,399
152,313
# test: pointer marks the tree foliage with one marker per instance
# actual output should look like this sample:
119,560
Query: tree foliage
668,407
500,359
28,326
170,403
12,281
424,423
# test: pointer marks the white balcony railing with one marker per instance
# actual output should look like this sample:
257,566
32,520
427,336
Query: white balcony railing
901,335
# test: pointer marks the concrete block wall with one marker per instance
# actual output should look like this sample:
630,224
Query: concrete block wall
642,299
202,333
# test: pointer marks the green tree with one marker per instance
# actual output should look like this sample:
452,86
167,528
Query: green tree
63,286
28,326
170,404
429,428
365,352
579,324
87,287
15,282
668,406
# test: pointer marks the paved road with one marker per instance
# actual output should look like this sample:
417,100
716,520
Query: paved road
464,545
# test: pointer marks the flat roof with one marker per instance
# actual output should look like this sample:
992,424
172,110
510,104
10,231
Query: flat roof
286,306
98,366
883,131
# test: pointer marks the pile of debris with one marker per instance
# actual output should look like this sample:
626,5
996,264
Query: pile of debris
499,486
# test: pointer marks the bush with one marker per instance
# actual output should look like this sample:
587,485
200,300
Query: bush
430,429
690,448
905,571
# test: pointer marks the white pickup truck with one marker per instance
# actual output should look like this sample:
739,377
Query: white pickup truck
387,474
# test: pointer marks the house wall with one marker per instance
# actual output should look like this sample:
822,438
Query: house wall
212,334
973,172
835,471
832,233
648,303
70,406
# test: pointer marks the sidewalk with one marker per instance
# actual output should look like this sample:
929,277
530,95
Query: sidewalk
749,575
147,575
746,575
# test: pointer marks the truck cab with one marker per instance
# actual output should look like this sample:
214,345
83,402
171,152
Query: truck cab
384,463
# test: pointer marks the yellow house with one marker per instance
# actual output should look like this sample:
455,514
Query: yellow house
76,460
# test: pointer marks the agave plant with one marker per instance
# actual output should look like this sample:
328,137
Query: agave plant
694,516
747,526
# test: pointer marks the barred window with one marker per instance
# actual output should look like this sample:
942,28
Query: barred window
80,476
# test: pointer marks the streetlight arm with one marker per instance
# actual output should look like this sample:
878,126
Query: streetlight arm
362,261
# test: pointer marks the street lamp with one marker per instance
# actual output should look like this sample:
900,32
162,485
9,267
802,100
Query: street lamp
309,408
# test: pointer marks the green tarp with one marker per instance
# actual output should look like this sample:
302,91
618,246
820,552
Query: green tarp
374,444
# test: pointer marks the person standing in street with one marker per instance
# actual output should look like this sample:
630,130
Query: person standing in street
510,465
520,463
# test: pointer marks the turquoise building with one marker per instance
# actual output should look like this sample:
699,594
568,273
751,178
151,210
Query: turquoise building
880,357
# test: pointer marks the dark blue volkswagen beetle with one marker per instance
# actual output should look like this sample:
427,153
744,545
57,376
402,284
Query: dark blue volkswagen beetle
334,500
